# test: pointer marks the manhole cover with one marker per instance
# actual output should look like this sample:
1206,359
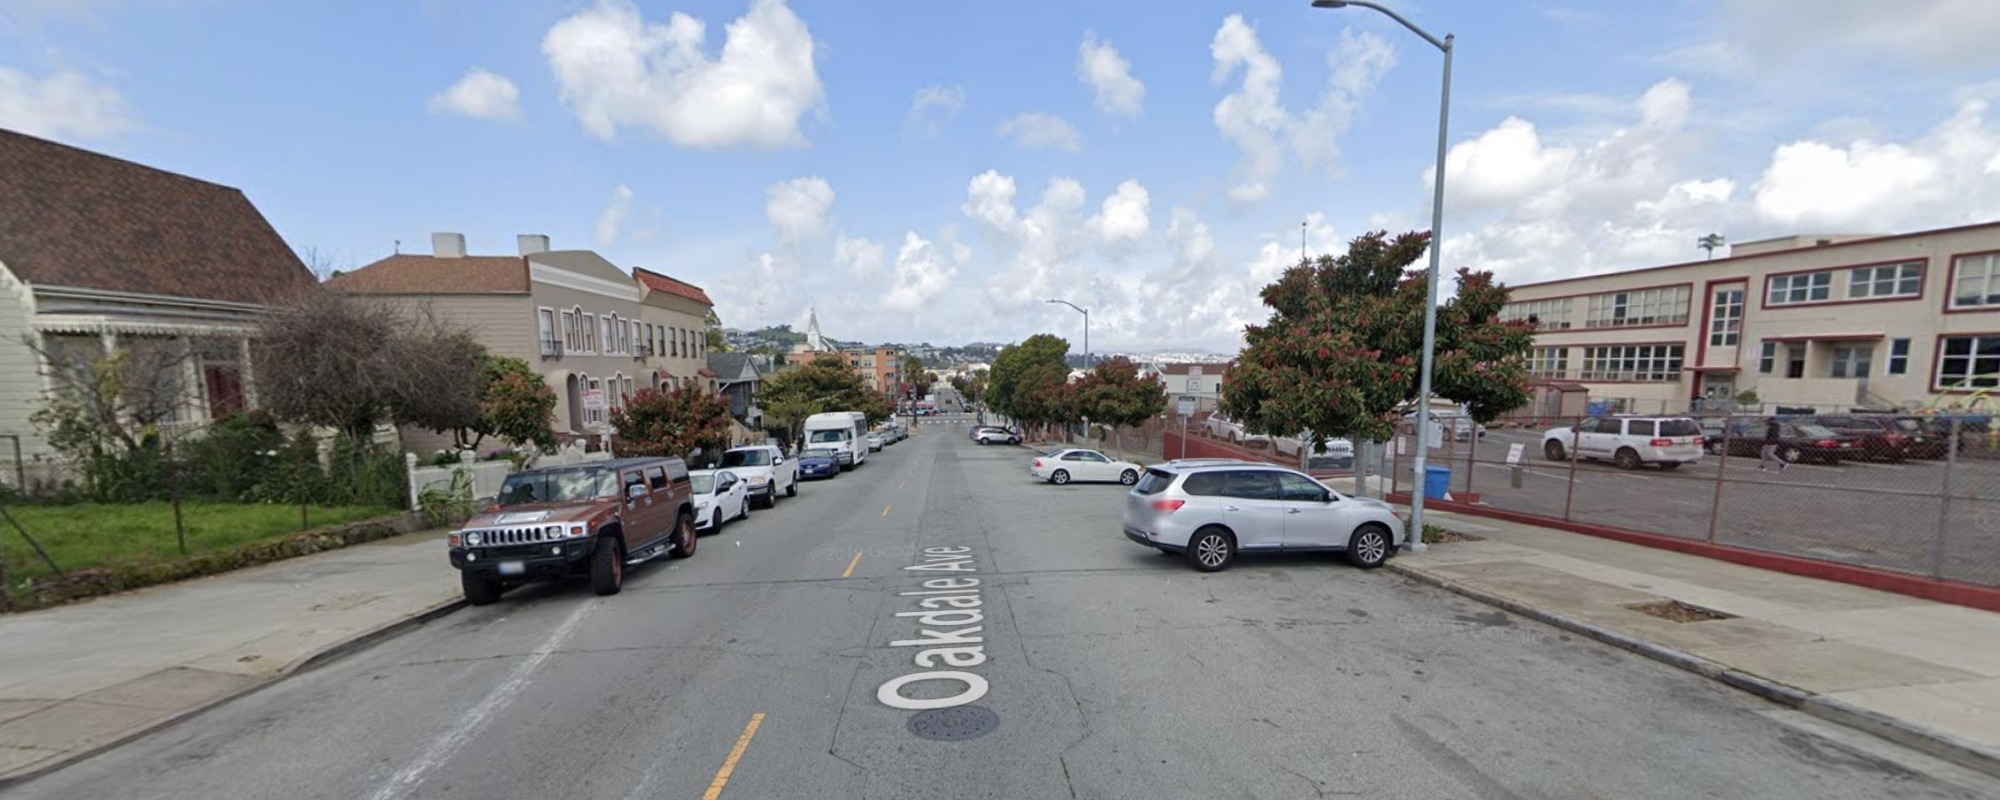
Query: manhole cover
955,723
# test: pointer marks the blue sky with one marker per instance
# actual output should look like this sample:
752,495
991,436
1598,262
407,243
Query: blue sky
935,171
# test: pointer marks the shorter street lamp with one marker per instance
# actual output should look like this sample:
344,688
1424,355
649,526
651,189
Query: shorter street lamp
1086,329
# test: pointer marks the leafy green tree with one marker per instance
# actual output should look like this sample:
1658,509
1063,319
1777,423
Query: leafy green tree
916,375
1344,342
1003,390
515,404
1114,394
717,341
1044,397
817,386
670,423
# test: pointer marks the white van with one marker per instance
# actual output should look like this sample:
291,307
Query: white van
837,430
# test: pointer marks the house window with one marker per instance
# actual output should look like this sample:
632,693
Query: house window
1808,288
637,333
1976,281
574,324
1896,280
1970,362
1663,306
1899,356
1644,363
1852,360
596,416
1548,315
1768,359
545,328
1549,362
590,333
1725,328
1795,361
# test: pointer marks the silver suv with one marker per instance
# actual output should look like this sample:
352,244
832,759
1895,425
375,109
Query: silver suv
1207,510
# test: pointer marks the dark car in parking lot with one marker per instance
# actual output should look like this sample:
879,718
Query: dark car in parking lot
1880,437
1798,440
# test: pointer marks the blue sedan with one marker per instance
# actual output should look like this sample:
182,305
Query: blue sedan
818,462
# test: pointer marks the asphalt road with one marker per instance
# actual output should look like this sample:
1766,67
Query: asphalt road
1114,672
1876,514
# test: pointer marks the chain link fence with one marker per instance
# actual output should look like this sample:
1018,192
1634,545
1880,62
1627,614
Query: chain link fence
1907,493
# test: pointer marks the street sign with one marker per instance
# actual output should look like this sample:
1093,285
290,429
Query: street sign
1194,370
1185,406
1514,452
593,399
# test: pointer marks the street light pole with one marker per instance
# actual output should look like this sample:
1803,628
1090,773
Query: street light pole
1415,541
1086,329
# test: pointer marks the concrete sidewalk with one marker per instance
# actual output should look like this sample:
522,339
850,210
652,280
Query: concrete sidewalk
78,678
1922,673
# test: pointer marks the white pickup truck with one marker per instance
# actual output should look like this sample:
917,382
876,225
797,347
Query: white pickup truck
767,471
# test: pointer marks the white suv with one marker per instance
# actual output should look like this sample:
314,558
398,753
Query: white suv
1629,442
766,470
1208,510
1221,427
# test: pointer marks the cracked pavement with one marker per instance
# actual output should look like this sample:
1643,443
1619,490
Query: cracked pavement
1116,673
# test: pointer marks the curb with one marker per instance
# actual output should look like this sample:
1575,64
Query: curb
325,656
1941,745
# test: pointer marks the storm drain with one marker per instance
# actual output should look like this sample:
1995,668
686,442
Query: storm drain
955,723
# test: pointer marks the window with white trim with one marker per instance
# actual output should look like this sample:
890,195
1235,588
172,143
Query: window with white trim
1663,306
1767,361
590,333
1549,315
1976,281
573,326
1725,324
1969,362
674,342
1640,363
1899,356
1851,360
1548,362
545,331
1806,288
1894,280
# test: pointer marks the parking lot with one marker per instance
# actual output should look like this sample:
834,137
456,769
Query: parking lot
1918,516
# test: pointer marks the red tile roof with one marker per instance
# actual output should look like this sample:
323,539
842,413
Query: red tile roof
71,217
406,273
662,283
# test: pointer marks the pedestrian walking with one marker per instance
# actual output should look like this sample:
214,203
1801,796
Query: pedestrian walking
1772,438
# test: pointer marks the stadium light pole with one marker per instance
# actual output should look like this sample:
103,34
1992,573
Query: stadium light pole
1086,329
1415,541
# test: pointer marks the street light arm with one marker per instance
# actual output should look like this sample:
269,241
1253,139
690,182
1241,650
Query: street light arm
1072,305
1441,44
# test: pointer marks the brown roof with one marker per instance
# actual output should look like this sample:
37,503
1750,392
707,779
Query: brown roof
662,283
71,217
1184,369
406,273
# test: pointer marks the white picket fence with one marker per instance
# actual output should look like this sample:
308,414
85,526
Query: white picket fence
486,476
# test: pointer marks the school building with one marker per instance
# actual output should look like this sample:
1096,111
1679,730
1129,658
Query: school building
1829,322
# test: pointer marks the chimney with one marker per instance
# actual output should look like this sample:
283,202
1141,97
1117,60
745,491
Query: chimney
532,243
448,245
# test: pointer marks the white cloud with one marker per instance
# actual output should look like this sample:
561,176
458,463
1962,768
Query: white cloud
1956,33
617,70
800,209
1502,165
1042,130
1043,243
1949,175
1110,75
61,104
613,218
1256,119
481,95
1125,216
932,107
860,258
922,273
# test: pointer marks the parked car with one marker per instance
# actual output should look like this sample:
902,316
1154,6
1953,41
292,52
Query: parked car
1218,426
765,471
819,462
1291,445
875,441
995,436
719,496
1882,437
1629,442
1457,424
1207,512
1797,441
1063,466
591,519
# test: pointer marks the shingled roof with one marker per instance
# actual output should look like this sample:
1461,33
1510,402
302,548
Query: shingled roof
662,283
71,217
407,273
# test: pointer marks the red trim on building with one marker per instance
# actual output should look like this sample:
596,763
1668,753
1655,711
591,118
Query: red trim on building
1937,360
1923,284
1951,284
1578,325
1826,337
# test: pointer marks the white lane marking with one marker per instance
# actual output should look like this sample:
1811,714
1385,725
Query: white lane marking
472,722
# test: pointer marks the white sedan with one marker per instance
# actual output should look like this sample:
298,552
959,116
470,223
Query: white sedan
1062,466
1335,447
719,496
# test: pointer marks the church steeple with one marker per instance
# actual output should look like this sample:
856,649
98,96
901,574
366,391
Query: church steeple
813,339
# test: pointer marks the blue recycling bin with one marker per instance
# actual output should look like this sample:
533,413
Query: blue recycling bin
1437,481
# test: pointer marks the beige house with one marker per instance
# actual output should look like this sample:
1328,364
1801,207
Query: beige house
590,328
1822,321
1202,382
99,255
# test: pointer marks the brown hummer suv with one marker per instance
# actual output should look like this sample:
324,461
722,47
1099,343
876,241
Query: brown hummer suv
591,519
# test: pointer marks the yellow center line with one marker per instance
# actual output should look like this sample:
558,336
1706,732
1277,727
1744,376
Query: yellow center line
735,754
899,485
850,565
885,509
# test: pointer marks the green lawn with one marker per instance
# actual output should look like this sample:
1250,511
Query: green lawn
91,535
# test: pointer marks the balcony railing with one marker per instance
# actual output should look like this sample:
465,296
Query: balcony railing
552,348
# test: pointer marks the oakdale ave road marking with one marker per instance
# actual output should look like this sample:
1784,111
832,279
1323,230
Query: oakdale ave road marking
735,754
850,565
472,722
952,604
885,509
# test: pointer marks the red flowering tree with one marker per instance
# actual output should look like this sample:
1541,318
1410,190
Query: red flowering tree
670,423
1343,346
1113,394
515,404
